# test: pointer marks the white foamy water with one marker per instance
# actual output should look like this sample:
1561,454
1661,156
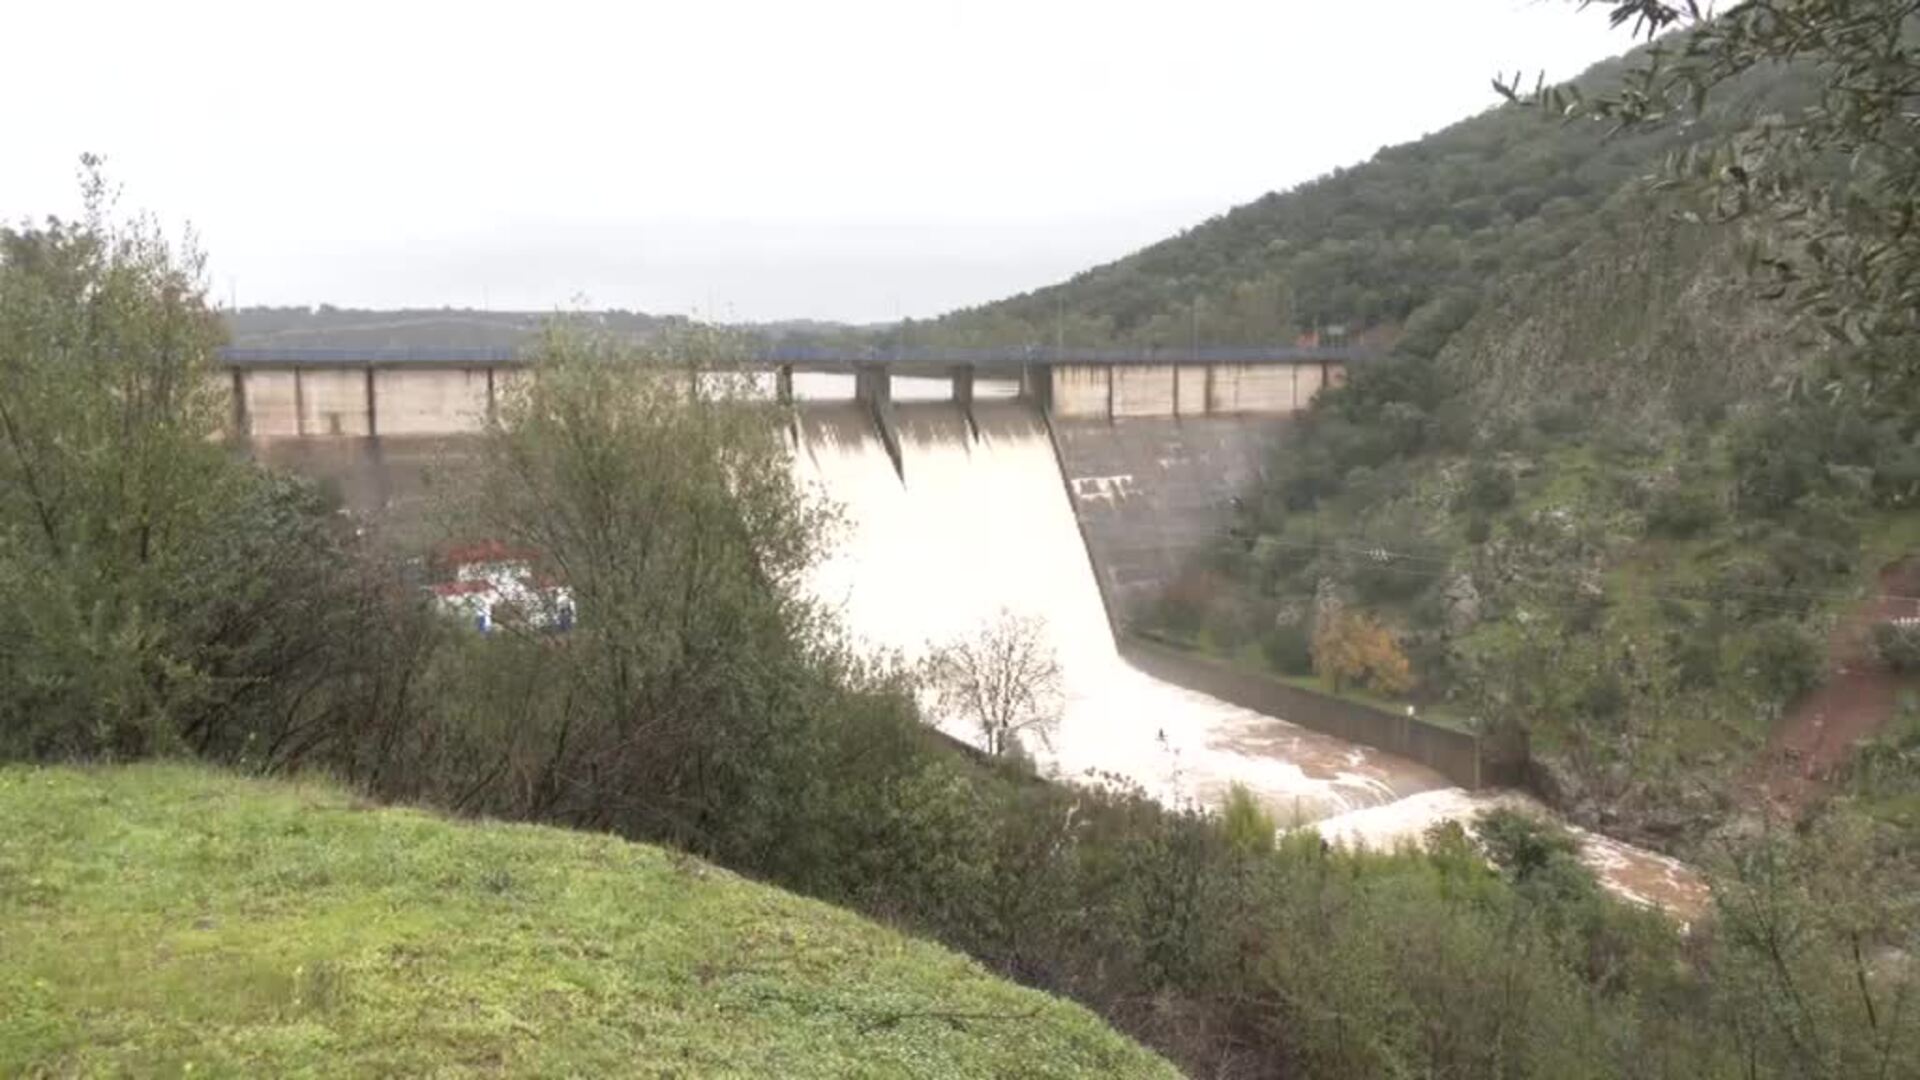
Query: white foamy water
1642,876
982,524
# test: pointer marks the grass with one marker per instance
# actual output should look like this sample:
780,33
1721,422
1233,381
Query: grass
171,920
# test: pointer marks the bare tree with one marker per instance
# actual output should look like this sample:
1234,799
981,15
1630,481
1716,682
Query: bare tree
1003,678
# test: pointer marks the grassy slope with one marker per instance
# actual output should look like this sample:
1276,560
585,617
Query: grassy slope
160,919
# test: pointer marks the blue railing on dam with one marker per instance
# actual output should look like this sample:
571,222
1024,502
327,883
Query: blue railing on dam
776,355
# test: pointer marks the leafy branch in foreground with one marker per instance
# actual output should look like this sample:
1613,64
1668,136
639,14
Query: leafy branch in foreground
1837,177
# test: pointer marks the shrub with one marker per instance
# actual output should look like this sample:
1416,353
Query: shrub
1681,512
1353,645
1286,648
1696,655
1782,661
1521,845
1897,644
1488,488
1184,606
1248,827
1560,419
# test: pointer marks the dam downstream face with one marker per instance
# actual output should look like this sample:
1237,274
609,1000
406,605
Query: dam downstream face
980,523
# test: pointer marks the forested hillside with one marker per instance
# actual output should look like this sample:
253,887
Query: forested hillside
1612,491
1411,238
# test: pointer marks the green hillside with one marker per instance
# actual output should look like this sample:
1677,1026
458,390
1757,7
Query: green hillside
1411,238
165,920
1622,511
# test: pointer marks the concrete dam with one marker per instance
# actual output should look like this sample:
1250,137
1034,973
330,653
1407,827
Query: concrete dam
1058,491
1070,492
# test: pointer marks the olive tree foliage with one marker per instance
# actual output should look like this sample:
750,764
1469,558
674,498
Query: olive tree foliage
1837,180
1814,967
1003,679
162,594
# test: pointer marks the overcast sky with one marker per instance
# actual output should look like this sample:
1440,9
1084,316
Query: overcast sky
833,159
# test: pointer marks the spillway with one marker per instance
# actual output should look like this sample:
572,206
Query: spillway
977,521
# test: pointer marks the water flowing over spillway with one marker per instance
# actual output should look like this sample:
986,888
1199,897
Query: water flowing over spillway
981,522
978,520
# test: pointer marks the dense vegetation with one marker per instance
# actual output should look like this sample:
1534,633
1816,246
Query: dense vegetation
1619,511
319,935
1622,503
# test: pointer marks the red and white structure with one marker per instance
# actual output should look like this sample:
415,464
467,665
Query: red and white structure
490,584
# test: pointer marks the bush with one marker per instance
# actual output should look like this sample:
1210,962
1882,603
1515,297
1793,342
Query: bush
1520,845
1695,652
1897,644
1681,512
1488,488
1248,827
1352,645
1185,605
1287,649
1782,661
1561,419
1816,448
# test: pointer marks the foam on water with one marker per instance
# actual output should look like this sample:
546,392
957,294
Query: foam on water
1644,877
981,524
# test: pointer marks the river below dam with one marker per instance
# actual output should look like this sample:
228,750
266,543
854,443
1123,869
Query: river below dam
977,520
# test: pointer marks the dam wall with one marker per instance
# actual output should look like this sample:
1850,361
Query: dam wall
348,395
1152,493
318,402
391,480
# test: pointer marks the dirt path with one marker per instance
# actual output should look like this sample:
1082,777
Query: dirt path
1857,699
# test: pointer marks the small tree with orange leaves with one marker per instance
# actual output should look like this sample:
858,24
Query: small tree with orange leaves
1352,645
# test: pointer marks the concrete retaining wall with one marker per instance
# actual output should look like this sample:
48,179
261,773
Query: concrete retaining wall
1456,755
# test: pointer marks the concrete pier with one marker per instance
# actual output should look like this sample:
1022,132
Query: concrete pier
873,387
